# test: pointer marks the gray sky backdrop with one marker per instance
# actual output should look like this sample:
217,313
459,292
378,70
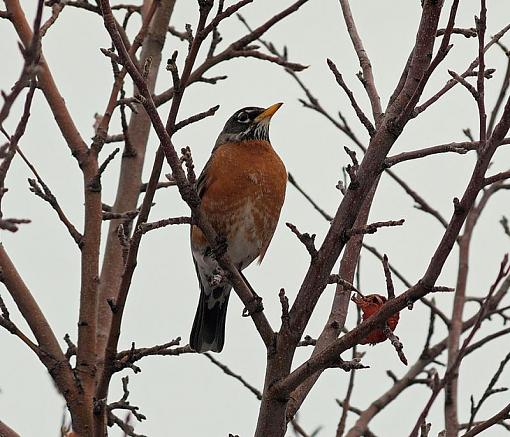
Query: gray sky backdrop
188,396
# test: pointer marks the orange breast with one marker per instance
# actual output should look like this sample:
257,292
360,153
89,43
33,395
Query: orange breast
246,178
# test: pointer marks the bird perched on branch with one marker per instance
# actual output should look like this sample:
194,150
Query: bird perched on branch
242,189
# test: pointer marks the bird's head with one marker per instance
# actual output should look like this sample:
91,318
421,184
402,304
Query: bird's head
248,124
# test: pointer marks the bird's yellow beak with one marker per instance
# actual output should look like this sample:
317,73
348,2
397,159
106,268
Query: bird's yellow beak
268,112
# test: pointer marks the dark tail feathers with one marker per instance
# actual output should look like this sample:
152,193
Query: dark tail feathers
208,332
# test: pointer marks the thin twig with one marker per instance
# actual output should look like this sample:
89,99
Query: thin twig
150,226
466,84
396,343
504,270
8,324
124,404
364,61
166,184
293,182
373,227
430,331
452,82
359,112
45,193
350,388
336,279
95,184
497,177
489,391
229,372
307,239
123,425
387,273
196,117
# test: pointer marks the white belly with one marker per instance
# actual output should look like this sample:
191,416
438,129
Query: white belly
244,244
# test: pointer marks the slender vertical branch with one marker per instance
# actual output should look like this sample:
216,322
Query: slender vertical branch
130,177
102,129
481,26
503,90
452,369
406,381
426,283
47,84
339,306
185,188
451,386
364,61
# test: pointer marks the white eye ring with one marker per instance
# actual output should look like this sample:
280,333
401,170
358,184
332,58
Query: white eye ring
243,117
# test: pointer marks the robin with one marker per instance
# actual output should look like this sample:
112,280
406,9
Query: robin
242,188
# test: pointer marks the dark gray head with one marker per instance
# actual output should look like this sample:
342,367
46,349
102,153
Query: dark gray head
248,124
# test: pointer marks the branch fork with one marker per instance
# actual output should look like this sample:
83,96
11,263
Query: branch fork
307,239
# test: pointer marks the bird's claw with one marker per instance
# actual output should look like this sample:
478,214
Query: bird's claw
217,278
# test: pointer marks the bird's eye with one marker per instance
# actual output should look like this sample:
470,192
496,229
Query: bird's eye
243,117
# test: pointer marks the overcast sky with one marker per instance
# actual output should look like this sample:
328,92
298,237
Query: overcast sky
188,396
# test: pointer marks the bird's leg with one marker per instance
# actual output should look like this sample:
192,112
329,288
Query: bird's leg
258,307
218,277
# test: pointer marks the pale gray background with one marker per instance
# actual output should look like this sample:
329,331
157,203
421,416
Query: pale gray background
188,396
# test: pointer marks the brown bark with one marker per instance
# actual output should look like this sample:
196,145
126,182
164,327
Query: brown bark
425,284
317,276
6,431
451,388
48,86
102,302
339,307
455,331
428,355
127,196
130,178
52,357
272,411
86,352
498,417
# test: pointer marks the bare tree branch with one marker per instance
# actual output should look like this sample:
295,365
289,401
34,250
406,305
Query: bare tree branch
40,189
362,117
6,431
364,61
489,391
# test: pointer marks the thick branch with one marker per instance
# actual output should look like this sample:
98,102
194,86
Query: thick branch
500,415
425,284
48,86
51,355
6,431
129,184
461,148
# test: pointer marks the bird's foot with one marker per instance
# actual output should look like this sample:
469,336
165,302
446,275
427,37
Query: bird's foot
218,278
257,307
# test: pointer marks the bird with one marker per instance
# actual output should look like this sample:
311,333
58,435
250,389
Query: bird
242,190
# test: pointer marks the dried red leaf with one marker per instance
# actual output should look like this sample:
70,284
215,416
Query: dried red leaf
369,305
